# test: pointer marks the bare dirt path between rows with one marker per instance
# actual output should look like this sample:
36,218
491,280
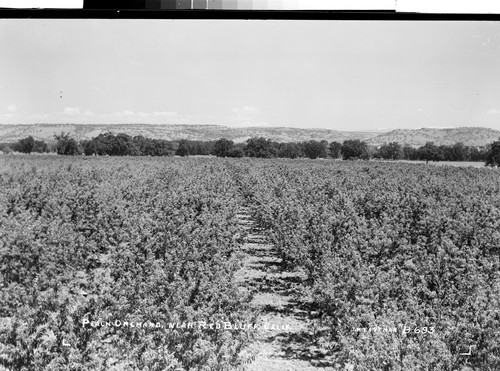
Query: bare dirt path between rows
285,338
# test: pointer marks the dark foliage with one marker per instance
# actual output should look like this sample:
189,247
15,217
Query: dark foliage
29,145
335,150
315,149
65,145
354,149
261,148
108,144
223,147
493,156
290,150
391,151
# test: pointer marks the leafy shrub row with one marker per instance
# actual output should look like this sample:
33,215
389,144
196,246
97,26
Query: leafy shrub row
392,246
136,240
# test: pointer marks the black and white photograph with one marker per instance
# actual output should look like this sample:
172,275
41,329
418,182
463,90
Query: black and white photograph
184,194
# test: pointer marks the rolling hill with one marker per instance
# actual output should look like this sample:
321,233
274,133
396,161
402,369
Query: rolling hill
12,133
472,136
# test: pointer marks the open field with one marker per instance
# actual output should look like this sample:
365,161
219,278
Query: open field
176,264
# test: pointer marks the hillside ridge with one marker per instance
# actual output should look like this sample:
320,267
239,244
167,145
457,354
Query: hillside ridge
472,136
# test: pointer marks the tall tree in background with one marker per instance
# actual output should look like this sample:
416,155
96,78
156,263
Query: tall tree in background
478,153
183,149
104,143
335,149
493,156
65,145
391,151
154,147
222,147
354,149
460,152
260,147
89,147
429,152
29,145
40,146
237,151
290,150
124,145
25,145
410,153
314,149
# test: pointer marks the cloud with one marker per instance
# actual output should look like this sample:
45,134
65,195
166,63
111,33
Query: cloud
246,110
165,114
72,111
149,115
244,117
11,109
76,115
129,116
129,113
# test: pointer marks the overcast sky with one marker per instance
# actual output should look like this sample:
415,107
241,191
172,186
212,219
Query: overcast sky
343,75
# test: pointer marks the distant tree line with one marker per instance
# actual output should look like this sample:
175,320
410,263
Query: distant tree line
108,144
356,149
432,152
25,145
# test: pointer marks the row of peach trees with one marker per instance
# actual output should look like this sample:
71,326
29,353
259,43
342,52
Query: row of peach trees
88,242
403,261
99,256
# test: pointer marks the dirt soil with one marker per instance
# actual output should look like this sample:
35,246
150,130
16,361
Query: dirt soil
286,336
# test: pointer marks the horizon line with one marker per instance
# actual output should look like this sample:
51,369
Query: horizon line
249,127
